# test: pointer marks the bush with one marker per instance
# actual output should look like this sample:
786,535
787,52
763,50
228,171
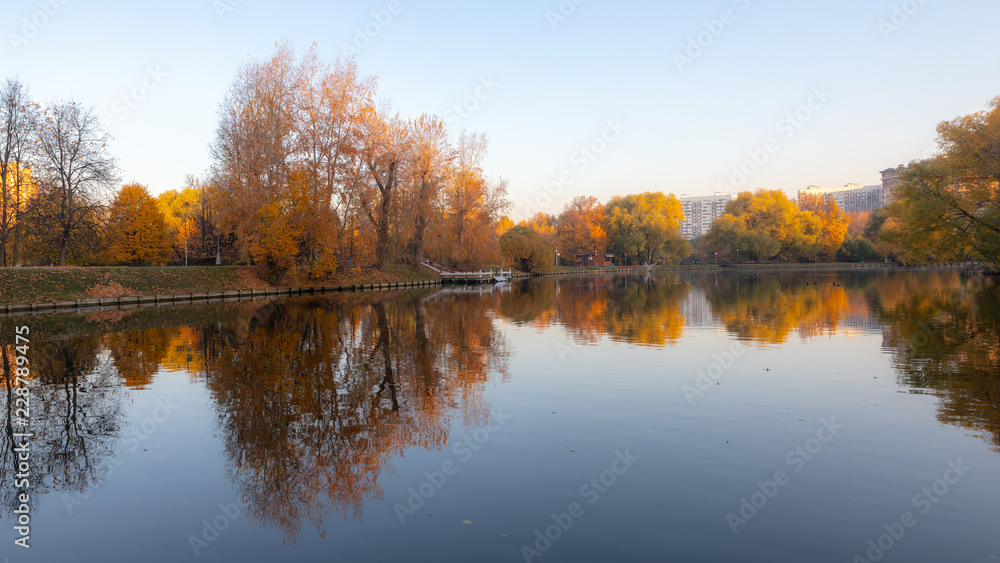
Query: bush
857,250
527,251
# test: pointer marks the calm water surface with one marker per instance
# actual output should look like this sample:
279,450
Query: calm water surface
704,418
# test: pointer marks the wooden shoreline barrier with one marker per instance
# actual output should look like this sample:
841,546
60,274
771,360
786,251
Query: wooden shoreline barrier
101,303
110,303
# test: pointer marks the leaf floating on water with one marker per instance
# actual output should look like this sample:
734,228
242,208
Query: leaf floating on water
466,521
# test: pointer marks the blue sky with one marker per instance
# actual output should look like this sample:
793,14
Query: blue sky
604,75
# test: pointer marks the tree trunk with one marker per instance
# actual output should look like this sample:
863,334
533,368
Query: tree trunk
385,206
14,258
382,254
419,231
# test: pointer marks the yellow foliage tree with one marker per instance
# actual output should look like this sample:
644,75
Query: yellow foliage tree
771,213
834,222
137,230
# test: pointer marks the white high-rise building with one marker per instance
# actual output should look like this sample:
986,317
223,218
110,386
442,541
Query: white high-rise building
700,212
852,198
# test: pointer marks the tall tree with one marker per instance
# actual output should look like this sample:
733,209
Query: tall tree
77,170
18,122
330,105
473,205
253,150
430,157
384,153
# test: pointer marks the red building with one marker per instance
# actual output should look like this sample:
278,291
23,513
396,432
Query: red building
595,260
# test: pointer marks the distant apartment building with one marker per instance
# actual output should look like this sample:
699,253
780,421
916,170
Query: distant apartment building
891,182
699,212
852,198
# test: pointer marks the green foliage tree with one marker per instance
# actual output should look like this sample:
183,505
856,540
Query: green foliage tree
857,250
647,228
527,250
732,239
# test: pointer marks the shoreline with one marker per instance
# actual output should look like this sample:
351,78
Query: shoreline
407,277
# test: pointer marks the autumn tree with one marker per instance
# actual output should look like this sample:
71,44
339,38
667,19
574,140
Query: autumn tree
18,122
765,216
543,224
647,227
253,155
858,223
310,170
471,206
581,227
948,207
384,154
505,224
834,222
77,173
331,101
430,157
137,229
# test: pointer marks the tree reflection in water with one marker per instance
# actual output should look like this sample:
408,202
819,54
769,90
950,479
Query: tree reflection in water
76,416
944,335
316,396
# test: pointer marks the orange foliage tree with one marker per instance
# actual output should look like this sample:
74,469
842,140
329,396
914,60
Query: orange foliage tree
544,225
581,227
312,171
137,229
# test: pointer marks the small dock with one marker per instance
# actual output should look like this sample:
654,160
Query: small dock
454,277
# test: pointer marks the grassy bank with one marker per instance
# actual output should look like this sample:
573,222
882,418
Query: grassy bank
43,285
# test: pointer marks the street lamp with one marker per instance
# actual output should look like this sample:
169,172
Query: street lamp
737,256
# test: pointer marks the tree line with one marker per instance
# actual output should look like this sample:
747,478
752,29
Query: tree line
637,228
311,171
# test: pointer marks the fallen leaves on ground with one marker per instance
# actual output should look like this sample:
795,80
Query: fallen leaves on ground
113,289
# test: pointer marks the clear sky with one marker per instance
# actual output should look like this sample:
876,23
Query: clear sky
544,85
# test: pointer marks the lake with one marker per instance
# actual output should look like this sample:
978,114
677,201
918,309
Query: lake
779,417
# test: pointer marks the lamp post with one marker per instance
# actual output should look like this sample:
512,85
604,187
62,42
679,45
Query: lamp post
185,238
737,256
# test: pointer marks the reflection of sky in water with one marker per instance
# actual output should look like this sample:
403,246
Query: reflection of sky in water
292,406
